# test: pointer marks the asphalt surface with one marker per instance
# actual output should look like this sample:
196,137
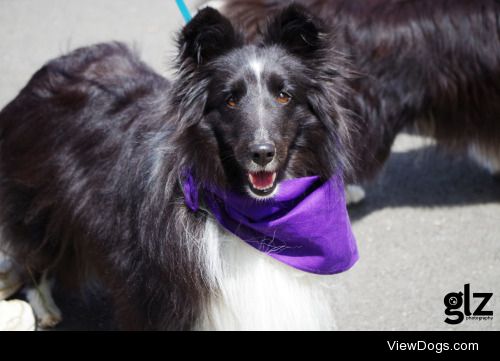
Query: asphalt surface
429,225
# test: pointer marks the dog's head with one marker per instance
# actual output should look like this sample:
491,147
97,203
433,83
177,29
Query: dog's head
251,115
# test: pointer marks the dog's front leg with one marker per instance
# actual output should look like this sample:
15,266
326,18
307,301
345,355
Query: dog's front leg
40,298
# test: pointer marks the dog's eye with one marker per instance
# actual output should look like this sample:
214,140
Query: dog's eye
231,102
283,98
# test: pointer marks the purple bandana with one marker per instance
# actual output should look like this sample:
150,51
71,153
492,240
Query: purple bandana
305,225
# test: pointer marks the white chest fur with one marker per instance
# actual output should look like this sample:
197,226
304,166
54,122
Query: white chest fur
256,292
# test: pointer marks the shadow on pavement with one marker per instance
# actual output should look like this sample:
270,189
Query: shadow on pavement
427,177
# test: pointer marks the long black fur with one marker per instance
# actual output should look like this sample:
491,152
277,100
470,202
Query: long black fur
79,146
429,65
93,151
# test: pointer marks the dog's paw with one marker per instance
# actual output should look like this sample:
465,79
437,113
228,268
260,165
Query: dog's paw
487,158
354,194
40,298
49,318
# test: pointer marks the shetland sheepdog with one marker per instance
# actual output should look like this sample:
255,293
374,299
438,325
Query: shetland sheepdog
94,148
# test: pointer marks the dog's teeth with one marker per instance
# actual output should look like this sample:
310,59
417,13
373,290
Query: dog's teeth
254,180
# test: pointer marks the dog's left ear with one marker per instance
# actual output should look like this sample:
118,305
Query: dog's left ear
206,36
297,30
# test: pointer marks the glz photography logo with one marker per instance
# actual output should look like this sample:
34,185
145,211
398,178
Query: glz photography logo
458,306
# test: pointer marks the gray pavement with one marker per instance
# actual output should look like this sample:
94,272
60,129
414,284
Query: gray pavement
430,222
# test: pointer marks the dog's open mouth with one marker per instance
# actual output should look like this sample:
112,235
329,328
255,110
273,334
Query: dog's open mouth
262,183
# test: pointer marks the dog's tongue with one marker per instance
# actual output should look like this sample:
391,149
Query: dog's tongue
262,180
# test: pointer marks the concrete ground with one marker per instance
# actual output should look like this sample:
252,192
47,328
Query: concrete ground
429,224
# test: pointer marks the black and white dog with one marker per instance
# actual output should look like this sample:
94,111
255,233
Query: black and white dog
432,66
93,149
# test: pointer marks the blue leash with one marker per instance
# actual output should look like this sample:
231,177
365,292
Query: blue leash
184,10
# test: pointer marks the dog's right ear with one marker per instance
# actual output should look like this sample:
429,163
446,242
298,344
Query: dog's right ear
296,30
207,36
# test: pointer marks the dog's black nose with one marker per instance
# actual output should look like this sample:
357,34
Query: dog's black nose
263,154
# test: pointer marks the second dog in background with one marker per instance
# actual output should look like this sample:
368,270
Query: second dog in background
432,66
